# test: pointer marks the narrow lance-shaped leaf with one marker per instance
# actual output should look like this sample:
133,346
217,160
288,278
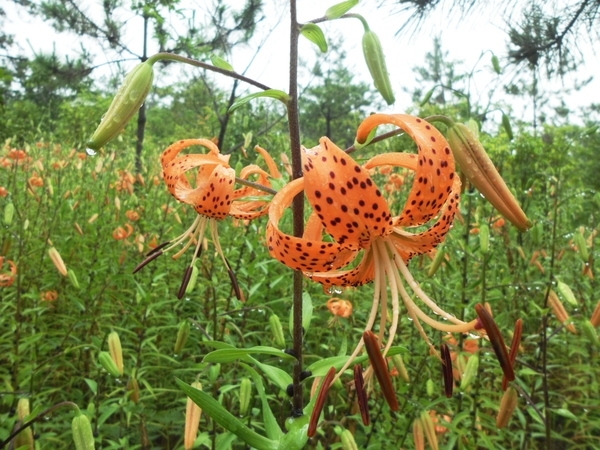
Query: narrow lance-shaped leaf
219,62
338,10
270,93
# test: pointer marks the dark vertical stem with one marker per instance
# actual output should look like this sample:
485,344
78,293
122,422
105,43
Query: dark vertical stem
225,119
141,122
298,205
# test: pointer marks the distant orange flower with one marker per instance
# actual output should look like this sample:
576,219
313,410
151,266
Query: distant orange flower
3,191
49,296
7,278
17,155
132,215
126,182
36,181
121,233
82,156
339,307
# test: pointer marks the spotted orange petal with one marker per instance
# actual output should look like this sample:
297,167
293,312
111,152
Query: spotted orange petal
299,253
349,204
434,174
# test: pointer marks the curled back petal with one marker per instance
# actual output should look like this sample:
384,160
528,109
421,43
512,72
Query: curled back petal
308,255
271,165
349,204
213,198
434,174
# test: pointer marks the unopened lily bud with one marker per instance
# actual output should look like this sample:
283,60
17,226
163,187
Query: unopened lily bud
479,169
590,332
508,404
109,364
9,213
213,372
25,438
58,261
375,59
182,336
400,367
348,442
566,292
484,238
430,387
126,103
277,331
192,420
418,435
245,395
429,429
115,350
595,319
470,372
581,245
83,437
193,278
437,261
73,278
133,389
559,311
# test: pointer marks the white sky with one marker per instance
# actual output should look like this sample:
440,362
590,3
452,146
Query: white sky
465,40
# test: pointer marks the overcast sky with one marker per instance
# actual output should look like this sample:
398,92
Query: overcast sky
472,41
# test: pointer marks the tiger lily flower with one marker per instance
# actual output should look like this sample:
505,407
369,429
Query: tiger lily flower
352,210
213,197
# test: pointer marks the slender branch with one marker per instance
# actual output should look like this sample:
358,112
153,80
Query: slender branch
254,185
196,63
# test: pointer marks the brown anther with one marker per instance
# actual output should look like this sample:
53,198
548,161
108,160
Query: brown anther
381,370
148,260
447,370
185,282
514,349
157,248
361,395
496,340
234,283
320,402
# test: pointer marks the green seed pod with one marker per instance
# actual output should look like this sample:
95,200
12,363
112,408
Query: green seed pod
126,103
9,213
430,388
590,333
115,350
82,433
400,367
470,372
566,292
348,442
245,395
581,246
376,63
182,336
73,278
109,364
277,331
484,238
437,261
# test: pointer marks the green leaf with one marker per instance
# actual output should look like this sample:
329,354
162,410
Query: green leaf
278,376
225,355
307,311
496,65
507,127
338,10
315,35
271,426
427,97
271,93
219,62
93,385
566,413
224,418
321,367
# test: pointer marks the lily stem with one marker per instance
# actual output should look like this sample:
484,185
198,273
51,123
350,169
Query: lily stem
297,207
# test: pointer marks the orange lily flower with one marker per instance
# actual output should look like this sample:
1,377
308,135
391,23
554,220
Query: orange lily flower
8,278
213,196
351,209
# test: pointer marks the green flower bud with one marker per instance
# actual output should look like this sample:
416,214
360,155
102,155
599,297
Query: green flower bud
484,238
115,350
348,442
109,364
480,171
470,372
566,292
182,336
508,404
581,246
73,278
590,333
430,387
25,438
9,213
277,331
245,395
133,390
126,103
437,261
376,62
400,367
82,433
